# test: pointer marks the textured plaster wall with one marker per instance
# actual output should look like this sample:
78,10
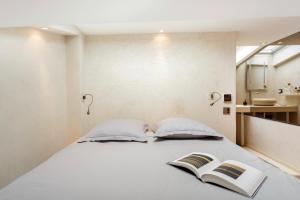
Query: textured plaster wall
154,76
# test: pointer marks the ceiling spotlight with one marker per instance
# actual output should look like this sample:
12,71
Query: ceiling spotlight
264,43
161,31
44,28
279,42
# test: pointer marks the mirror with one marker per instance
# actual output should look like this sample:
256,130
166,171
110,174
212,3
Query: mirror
270,78
256,75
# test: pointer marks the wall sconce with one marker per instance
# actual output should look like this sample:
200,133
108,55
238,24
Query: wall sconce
84,97
212,97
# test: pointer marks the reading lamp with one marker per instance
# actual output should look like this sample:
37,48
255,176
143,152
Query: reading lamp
84,97
212,97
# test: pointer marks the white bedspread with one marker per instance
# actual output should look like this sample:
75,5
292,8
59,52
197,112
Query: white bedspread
131,170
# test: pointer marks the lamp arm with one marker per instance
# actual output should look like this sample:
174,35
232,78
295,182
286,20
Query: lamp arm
92,100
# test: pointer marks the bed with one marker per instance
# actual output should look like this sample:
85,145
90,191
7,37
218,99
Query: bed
134,170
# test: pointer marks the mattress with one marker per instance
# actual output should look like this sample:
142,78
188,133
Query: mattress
132,170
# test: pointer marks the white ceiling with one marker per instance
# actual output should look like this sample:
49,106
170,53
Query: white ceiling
255,20
249,31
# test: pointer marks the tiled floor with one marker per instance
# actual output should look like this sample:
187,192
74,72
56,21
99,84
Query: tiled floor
277,164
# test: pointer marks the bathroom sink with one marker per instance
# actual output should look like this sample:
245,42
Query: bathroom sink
263,101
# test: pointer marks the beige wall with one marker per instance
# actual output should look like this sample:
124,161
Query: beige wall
74,61
33,112
277,140
154,76
241,92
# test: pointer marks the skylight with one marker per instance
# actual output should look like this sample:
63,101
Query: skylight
271,49
244,51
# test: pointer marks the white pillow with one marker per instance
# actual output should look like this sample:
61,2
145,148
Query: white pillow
119,129
185,129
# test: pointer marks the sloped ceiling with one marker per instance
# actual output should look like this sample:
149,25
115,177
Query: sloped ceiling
290,40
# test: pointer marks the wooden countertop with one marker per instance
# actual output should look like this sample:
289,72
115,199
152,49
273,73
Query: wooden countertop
275,108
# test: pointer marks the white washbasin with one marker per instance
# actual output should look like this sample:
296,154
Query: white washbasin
263,101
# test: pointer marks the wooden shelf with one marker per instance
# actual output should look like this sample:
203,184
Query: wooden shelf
276,108
291,94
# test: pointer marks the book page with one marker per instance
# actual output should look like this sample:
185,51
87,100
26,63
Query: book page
236,176
197,162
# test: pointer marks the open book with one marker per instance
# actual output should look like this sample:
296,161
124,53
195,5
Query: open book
230,174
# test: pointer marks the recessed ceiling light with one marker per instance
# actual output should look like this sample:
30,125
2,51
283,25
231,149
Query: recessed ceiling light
279,42
161,30
44,28
263,43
